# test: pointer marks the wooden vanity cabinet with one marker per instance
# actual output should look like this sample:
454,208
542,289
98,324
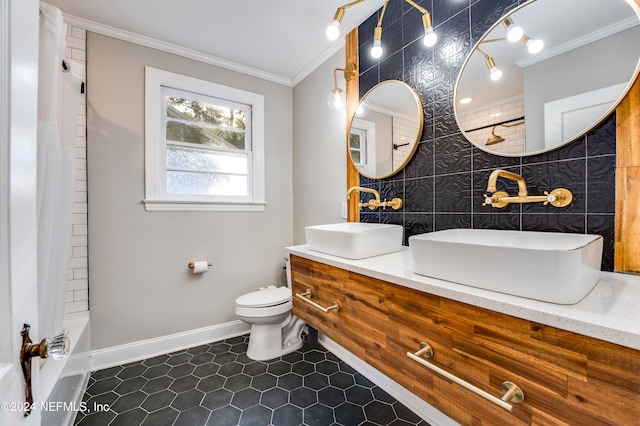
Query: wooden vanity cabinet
566,378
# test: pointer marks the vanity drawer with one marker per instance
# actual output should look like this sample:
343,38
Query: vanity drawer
566,378
325,285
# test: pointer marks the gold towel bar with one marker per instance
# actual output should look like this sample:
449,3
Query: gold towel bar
307,294
511,391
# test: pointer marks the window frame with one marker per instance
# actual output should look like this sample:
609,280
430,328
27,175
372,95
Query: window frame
156,196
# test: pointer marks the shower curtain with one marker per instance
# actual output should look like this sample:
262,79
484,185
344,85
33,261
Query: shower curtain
58,100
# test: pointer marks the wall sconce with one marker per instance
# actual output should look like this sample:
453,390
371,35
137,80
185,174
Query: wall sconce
494,139
430,37
337,98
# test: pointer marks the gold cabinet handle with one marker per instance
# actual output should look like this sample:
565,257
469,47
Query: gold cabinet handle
511,391
306,297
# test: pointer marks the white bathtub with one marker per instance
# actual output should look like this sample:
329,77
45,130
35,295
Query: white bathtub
65,381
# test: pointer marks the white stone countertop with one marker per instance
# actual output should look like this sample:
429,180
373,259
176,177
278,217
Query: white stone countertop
610,312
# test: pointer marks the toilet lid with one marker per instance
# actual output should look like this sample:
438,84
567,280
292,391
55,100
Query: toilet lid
266,297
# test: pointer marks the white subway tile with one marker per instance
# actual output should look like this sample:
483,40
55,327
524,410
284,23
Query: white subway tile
80,251
76,43
78,240
81,273
80,230
80,208
78,263
81,174
81,142
79,197
79,55
79,219
79,284
72,307
80,295
79,33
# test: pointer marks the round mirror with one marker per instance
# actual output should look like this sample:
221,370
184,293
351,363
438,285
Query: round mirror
385,129
570,64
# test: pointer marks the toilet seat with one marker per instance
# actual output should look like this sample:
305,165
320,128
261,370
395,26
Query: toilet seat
275,330
264,298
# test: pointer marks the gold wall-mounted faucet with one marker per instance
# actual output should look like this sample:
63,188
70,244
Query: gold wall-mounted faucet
559,197
395,203
493,179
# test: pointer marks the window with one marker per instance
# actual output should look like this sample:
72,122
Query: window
204,145
362,136
357,146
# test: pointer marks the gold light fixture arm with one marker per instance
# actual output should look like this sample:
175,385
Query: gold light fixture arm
483,53
417,6
493,40
340,10
384,9
350,72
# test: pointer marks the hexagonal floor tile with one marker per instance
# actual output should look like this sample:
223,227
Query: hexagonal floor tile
217,384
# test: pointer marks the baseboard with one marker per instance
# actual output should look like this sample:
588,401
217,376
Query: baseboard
429,413
123,354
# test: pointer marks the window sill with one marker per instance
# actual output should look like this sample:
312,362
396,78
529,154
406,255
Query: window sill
201,206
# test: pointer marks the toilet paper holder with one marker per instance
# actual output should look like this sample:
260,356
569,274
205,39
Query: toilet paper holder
193,264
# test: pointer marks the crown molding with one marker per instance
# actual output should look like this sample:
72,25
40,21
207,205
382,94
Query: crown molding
580,41
319,60
172,48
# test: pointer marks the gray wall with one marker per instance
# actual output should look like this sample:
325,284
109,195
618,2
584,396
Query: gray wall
140,286
546,81
319,150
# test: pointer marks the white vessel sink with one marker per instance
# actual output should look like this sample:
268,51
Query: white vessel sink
354,240
552,267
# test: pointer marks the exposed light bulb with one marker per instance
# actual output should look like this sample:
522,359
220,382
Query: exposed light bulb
362,109
430,37
514,32
496,74
535,46
337,99
333,30
376,50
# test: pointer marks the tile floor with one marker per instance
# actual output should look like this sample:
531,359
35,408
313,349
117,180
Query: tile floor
217,384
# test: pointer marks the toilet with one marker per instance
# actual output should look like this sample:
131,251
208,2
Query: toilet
275,331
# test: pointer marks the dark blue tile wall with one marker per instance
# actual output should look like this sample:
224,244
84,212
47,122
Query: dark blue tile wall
443,184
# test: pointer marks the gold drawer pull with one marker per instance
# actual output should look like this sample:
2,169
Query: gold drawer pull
307,294
511,391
